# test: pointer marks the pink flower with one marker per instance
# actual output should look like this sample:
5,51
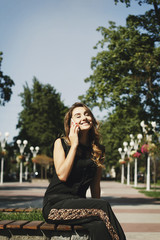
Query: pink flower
145,148
137,155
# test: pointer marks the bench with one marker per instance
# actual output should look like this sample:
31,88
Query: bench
38,230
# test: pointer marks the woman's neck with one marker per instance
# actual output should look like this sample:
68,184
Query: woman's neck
84,138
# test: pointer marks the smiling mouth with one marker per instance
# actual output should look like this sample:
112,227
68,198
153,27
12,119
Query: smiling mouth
85,123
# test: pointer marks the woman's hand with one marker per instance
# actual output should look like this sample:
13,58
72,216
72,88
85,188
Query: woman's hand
73,135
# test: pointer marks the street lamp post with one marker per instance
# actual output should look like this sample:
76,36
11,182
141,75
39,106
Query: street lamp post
26,168
134,144
21,149
148,139
34,152
122,167
3,144
127,150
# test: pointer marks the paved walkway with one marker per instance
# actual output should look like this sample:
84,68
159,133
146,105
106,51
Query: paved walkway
139,215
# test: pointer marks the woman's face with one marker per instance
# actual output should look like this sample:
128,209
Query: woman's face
82,117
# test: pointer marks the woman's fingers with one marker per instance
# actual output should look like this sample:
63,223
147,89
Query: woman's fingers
75,126
73,135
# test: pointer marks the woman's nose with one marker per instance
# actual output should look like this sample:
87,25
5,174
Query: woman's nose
84,117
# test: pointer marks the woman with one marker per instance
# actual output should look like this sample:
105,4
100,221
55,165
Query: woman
78,159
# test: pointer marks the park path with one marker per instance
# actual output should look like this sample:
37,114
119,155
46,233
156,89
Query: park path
139,215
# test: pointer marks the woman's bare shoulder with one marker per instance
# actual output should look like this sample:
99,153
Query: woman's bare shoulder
58,142
58,146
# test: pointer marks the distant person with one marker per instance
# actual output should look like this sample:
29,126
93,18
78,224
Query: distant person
78,161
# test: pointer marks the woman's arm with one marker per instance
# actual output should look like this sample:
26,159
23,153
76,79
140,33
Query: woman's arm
95,185
63,165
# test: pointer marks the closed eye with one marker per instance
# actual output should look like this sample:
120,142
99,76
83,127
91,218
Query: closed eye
77,115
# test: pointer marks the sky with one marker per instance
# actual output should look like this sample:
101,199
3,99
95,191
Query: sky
53,41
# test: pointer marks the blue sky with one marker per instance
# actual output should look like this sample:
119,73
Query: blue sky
52,40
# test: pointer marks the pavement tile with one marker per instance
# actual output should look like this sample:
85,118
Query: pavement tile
141,227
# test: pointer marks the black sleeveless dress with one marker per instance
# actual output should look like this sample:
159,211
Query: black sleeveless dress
66,202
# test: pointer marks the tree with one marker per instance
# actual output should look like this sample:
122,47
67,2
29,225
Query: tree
5,86
117,128
41,119
126,77
128,68
140,2
150,21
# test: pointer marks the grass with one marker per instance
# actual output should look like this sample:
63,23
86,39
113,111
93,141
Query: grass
30,216
151,193
154,192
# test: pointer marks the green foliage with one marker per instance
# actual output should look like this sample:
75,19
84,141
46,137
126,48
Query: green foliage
35,215
117,128
153,194
41,119
127,68
5,86
128,65
126,77
140,2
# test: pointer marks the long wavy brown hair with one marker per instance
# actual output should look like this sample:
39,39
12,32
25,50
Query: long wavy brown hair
97,150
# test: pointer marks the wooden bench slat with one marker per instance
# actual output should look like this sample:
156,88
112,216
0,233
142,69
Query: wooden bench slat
3,223
33,209
33,225
63,228
9,209
19,209
78,227
47,226
16,224
29,209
